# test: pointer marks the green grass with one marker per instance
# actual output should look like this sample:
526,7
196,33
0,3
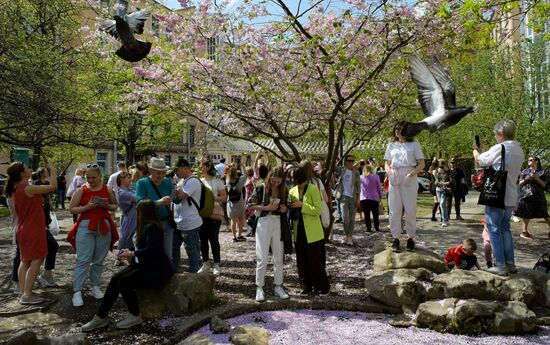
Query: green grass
4,212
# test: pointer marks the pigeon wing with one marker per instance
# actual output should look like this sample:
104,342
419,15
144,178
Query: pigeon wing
430,93
109,26
444,81
137,19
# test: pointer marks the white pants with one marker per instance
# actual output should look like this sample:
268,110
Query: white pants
268,233
402,195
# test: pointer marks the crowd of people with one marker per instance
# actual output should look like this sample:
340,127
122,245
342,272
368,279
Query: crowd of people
282,207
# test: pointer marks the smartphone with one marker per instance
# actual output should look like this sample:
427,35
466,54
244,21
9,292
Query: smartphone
478,142
97,200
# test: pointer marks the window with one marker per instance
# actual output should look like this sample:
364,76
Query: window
168,160
101,160
122,8
211,50
191,136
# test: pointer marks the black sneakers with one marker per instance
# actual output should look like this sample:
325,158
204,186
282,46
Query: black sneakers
395,245
410,245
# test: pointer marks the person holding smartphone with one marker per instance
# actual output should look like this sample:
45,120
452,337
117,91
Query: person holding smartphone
30,235
93,234
270,201
498,219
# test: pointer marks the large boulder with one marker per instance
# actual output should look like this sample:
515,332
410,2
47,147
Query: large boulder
420,258
473,316
467,284
516,318
399,287
249,335
183,294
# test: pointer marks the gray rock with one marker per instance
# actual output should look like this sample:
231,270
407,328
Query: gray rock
434,314
516,318
218,325
249,335
420,258
26,337
184,293
196,339
468,284
399,287
22,337
70,339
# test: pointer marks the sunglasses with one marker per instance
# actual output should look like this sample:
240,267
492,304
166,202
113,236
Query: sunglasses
92,166
350,160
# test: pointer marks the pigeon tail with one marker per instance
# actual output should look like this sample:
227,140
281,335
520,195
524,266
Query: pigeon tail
136,53
410,130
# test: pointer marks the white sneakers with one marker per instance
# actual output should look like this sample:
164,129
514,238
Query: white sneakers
280,292
260,296
205,268
216,270
96,292
77,299
444,224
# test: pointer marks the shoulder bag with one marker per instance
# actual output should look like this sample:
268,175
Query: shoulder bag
493,189
325,214
171,220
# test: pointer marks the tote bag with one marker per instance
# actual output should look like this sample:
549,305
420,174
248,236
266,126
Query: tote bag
494,185
54,225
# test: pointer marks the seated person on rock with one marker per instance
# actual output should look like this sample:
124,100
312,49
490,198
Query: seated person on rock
149,268
462,256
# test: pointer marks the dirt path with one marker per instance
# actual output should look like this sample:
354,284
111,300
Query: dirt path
347,266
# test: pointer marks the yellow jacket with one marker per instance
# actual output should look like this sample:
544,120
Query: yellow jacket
311,212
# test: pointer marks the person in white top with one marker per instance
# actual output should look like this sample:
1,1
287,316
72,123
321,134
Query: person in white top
403,161
497,219
210,229
220,167
187,215
112,179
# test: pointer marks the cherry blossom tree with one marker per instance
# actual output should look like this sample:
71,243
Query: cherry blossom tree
266,70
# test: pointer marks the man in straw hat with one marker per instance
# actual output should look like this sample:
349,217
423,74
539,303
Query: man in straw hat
161,190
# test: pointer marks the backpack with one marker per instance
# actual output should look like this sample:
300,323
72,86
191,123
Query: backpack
234,194
543,264
206,203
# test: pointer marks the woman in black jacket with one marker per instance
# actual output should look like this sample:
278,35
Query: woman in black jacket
149,268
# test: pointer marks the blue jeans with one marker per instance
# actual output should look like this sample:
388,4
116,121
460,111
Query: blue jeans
498,224
192,245
443,204
91,249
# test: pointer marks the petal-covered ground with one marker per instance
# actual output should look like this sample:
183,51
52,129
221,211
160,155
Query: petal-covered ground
319,327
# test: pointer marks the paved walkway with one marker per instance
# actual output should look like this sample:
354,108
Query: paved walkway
348,266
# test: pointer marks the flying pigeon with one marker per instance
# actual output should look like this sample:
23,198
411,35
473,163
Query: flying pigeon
436,94
123,29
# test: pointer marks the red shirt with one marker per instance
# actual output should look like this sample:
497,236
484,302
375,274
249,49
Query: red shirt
97,216
455,255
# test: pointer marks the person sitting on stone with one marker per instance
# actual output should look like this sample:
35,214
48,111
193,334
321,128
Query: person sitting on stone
149,268
462,256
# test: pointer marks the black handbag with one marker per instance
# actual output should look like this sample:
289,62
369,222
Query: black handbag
493,189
